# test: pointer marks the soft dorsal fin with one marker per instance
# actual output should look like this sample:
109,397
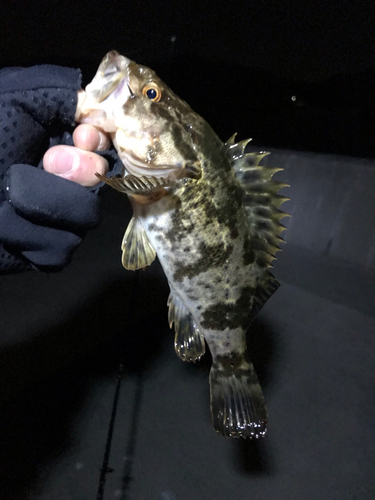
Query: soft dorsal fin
267,286
260,199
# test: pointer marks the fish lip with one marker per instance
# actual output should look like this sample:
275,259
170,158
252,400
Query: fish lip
123,63
136,166
103,85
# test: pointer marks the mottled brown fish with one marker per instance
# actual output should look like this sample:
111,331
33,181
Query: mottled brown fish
209,212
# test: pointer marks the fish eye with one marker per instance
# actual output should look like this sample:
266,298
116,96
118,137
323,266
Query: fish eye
152,91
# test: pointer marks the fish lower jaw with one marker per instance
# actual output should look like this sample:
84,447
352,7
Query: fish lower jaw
147,171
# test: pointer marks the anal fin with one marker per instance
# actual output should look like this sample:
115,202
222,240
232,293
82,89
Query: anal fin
137,252
189,342
237,403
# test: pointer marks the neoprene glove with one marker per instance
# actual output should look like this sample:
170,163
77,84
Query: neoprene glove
43,217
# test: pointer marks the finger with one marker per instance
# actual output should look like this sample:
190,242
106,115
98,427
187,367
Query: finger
75,164
90,138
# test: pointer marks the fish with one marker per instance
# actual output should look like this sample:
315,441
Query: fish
211,214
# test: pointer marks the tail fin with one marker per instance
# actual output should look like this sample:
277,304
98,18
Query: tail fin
237,403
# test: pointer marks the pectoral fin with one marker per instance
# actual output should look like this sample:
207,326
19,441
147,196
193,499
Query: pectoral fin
132,185
189,342
137,252
148,186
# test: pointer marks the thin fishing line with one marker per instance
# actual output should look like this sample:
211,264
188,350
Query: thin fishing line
105,469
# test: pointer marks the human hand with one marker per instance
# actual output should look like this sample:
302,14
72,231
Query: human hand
43,217
78,163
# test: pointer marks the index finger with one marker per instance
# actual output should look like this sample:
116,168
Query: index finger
90,138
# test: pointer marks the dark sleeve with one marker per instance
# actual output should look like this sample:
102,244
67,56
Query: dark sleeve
42,216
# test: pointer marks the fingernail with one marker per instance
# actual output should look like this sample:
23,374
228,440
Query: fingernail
102,141
64,161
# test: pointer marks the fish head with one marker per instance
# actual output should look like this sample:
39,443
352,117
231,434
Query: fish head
154,131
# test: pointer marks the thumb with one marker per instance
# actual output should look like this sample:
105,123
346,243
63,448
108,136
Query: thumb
75,164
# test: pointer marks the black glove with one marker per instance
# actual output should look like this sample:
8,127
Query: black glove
43,217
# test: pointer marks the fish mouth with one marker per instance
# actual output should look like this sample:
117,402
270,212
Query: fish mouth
111,79
106,96
101,102
135,166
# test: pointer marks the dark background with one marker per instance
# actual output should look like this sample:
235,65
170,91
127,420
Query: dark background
237,63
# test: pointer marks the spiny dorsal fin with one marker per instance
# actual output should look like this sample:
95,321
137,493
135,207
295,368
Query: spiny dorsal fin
189,342
260,199
231,140
235,150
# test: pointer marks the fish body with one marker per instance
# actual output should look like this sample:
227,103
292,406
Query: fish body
209,212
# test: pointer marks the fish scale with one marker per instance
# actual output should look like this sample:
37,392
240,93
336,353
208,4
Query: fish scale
209,212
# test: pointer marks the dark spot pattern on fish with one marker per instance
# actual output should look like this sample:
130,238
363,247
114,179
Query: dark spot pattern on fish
197,197
210,256
162,111
214,260
194,198
249,255
176,202
227,213
155,228
223,315
176,126
185,149
180,227
134,107
231,361
235,363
